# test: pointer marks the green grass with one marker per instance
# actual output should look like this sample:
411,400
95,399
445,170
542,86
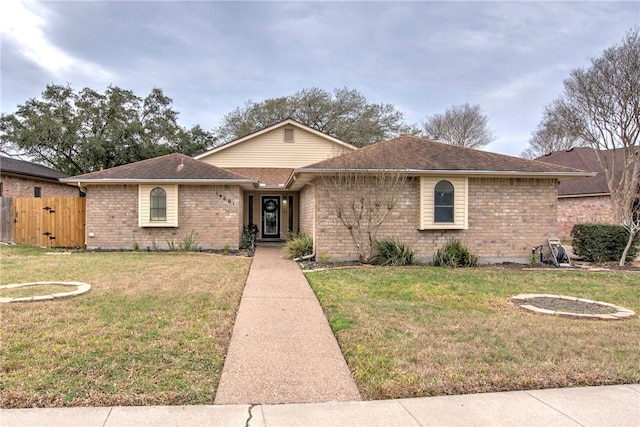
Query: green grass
409,332
154,329
34,290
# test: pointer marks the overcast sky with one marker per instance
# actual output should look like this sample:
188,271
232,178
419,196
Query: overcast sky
211,57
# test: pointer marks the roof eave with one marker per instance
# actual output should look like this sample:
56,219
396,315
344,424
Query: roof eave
159,181
574,196
18,174
420,172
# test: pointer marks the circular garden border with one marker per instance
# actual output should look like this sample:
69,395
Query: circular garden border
619,314
81,288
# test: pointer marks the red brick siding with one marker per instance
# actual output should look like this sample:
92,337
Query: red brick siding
579,210
507,217
213,212
21,187
307,209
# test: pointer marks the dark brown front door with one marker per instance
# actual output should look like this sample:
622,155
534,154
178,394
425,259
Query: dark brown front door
270,217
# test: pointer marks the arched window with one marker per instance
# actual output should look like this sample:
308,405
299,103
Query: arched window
158,211
443,202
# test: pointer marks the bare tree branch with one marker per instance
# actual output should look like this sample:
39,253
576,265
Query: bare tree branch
464,125
601,106
361,199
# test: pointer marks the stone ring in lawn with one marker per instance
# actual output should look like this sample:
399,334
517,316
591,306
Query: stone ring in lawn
79,288
571,307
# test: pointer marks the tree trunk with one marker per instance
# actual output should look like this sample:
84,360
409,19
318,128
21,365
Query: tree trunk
623,258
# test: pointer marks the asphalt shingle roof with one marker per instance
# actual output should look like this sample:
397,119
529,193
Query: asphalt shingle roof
584,158
272,177
419,154
24,168
170,167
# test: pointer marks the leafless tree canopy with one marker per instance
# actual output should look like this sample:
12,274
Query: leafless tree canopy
464,125
601,105
361,199
550,136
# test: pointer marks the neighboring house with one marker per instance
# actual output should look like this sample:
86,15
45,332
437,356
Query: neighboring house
585,200
19,178
501,206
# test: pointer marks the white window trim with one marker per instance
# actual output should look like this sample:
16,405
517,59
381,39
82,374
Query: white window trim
144,206
461,202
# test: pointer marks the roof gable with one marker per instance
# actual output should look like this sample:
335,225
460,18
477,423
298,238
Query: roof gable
210,155
171,167
12,166
423,155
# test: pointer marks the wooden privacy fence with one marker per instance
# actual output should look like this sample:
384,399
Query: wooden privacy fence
54,222
6,219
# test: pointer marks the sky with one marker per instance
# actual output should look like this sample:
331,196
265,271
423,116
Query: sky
210,57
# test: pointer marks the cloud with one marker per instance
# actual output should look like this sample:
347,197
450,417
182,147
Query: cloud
24,23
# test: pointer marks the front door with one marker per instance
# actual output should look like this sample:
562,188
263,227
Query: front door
271,217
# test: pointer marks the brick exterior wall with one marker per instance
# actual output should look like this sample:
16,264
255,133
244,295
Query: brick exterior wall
307,209
507,218
13,186
579,210
213,212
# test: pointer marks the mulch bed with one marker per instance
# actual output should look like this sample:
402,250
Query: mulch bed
568,306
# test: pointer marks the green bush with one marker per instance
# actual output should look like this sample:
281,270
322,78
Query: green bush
249,233
298,246
454,254
391,252
602,242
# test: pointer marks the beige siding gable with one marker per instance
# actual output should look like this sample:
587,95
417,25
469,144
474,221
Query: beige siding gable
144,206
460,204
273,150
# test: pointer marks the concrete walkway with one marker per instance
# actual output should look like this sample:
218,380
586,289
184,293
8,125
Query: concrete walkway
283,353
586,406
282,349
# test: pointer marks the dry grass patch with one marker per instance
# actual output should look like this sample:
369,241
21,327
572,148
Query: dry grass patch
154,329
428,331
34,290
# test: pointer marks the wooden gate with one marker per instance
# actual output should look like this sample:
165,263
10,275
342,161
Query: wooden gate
6,219
54,222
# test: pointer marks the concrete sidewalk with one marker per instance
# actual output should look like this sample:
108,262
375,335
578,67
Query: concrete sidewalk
586,406
282,349
284,368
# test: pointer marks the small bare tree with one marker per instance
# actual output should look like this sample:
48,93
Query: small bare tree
601,105
464,125
362,200
550,136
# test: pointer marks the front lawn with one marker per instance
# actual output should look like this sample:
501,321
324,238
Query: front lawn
409,332
153,330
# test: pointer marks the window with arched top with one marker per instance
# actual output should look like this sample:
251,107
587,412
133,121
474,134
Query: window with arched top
158,205
443,202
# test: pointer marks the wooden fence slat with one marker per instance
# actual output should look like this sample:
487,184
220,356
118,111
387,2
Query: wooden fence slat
6,219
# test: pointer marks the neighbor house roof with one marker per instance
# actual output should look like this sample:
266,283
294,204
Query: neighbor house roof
172,168
21,168
584,158
423,156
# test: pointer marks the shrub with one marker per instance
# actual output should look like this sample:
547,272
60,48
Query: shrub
298,246
454,254
391,252
602,242
249,233
189,242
